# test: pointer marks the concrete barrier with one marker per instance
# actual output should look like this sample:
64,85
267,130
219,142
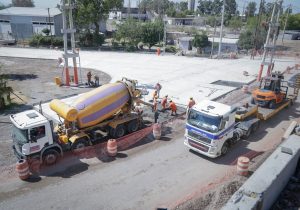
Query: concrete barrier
262,189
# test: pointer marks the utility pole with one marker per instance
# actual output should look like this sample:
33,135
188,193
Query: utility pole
128,9
256,28
67,11
273,28
165,34
213,41
49,23
221,30
286,19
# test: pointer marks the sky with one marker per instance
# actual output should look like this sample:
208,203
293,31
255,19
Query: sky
53,3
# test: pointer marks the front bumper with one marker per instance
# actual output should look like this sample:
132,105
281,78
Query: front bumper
261,103
200,148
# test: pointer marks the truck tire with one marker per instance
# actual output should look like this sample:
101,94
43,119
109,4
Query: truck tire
272,104
225,148
252,100
132,126
119,131
79,144
50,157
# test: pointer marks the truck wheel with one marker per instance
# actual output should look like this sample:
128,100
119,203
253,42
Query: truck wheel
252,100
225,148
272,104
119,131
132,126
79,144
50,157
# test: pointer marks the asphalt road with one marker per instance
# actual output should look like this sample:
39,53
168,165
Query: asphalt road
150,175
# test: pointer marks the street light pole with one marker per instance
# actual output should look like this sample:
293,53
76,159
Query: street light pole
49,25
221,30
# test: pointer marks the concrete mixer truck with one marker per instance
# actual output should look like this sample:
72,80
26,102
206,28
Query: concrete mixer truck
105,112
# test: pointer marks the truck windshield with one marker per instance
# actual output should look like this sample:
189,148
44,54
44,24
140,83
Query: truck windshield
19,135
204,121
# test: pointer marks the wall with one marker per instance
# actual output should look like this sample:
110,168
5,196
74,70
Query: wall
262,189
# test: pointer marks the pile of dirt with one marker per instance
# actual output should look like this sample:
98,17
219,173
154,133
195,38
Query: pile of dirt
214,199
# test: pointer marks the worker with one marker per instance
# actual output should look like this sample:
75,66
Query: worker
191,103
164,102
154,95
156,115
96,80
89,78
154,107
158,88
173,108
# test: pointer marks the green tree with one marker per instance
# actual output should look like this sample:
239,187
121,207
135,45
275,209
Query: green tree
92,11
129,33
200,41
230,8
183,6
235,23
246,40
205,7
250,9
152,32
22,3
293,22
217,7
268,9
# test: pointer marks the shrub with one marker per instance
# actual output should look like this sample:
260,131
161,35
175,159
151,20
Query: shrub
171,49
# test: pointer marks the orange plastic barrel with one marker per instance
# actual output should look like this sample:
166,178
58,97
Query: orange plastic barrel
245,88
58,81
158,51
22,168
157,131
112,147
34,166
242,166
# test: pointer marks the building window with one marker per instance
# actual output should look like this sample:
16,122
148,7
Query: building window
4,21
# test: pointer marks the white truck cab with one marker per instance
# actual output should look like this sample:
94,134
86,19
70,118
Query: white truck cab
209,124
32,134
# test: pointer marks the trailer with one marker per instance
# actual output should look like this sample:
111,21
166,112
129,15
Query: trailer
212,127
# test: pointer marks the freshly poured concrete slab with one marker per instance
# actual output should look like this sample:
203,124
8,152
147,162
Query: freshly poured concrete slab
180,77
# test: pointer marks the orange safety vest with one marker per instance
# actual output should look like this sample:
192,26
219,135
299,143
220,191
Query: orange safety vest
164,102
173,106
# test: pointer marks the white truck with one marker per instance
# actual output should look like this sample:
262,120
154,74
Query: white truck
212,127
76,122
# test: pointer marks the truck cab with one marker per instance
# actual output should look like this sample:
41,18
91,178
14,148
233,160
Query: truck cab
33,137
209,125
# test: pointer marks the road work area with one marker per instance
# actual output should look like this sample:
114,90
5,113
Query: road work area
152,173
